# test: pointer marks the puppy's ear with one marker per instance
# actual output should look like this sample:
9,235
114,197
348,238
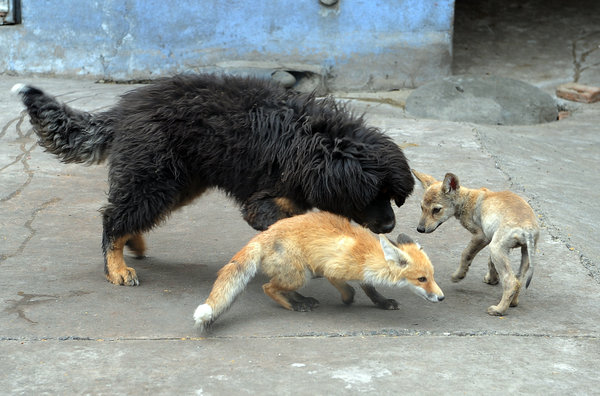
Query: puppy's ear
425,179
404,239
450,183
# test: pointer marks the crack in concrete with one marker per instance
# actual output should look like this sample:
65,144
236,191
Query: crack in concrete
27,300
23,158
394,333
8,124
544,219
579,61
32,230
18,307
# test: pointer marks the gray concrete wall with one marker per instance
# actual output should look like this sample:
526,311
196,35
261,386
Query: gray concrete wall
355,44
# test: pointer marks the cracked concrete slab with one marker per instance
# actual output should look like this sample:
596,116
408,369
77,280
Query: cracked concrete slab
56,302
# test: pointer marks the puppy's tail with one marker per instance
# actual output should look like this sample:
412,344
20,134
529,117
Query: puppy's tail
531,243
231,281
73,135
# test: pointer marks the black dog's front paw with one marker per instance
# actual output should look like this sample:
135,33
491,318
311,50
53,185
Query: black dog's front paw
259,219
261,210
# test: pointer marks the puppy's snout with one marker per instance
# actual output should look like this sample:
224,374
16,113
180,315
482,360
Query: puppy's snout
441,298
421,228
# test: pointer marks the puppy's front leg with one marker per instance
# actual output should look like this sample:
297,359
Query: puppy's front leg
478,242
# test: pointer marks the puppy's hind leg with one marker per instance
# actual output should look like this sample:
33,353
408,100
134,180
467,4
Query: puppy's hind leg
523,269
491,278
510,284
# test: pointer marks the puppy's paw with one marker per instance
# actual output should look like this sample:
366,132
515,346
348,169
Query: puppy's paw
457,277
490,280
494,310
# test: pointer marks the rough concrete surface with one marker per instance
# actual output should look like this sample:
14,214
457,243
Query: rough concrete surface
61,319
65,330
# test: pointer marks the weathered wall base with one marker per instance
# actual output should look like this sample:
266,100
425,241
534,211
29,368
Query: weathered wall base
353,45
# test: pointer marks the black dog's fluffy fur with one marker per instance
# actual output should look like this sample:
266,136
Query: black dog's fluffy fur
276,152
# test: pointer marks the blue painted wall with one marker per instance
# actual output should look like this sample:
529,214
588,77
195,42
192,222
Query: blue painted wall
356,44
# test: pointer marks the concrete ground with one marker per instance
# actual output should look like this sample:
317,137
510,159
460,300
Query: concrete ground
65,330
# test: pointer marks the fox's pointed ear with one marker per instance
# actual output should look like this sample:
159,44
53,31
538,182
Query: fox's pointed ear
425,179
450,183
391,252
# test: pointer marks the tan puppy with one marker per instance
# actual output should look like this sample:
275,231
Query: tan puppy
502,220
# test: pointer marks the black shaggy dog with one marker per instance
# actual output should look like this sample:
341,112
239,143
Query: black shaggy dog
275,152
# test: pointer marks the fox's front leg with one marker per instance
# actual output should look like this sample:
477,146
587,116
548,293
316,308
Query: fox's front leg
378,299
346,291
478,242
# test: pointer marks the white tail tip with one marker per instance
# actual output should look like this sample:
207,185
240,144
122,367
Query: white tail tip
17,88
203,315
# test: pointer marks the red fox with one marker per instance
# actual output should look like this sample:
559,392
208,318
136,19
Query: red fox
293,250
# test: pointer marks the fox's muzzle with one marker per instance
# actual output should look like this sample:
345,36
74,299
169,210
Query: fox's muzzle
435,297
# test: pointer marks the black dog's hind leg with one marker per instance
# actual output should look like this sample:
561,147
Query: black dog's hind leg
137,245
261,210
131,210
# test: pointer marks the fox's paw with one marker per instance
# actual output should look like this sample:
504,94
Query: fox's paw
388,304
203,315
126,276
304,305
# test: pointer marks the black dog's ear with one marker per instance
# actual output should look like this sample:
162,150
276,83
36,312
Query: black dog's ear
404,239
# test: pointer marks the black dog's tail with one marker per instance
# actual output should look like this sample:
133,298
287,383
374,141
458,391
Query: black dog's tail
73,135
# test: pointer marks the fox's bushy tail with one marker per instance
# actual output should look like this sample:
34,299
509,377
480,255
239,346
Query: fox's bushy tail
231,281
73,135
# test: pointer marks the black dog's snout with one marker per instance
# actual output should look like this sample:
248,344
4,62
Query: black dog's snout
387,227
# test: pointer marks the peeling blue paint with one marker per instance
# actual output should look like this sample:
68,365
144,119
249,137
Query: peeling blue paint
144,38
